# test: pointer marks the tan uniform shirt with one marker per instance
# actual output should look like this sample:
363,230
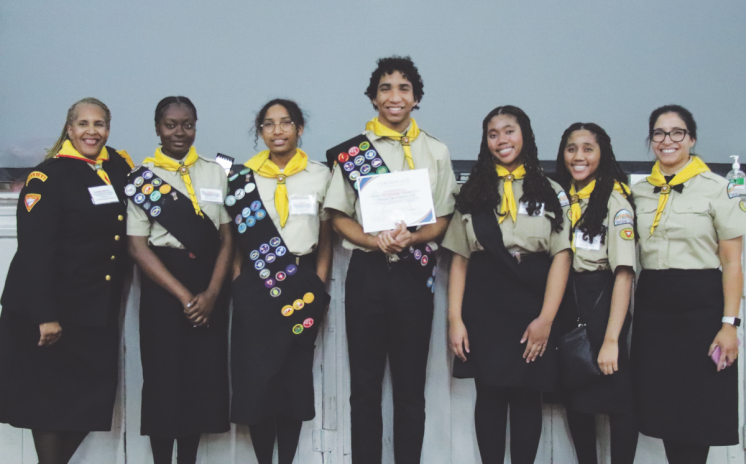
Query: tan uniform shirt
691,224
205,174
529,234
427,152
619,246
301,231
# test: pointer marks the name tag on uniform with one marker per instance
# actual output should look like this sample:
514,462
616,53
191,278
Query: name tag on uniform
523,209
211,195
582,244
103,195
304,204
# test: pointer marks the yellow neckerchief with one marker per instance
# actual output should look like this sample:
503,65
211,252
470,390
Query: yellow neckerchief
169,164
693,169
576,212
383,131
265,167
508,203
68,151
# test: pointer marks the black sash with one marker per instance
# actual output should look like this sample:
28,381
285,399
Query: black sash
358,157
175,212
490,236
298,293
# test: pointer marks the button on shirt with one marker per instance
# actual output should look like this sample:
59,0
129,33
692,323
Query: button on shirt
205,174
529,234
427,152
691,224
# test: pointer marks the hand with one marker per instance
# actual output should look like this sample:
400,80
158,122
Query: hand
402,235
727,340
198,310
386,240
537,334
459,339
608,357
50,332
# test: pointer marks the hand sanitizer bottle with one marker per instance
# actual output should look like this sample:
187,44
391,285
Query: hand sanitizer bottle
737,178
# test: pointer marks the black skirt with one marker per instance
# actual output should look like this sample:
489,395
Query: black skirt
68,386
497,308
185,369
271,366
607,394
679,395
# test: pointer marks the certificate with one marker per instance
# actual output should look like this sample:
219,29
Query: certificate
387,199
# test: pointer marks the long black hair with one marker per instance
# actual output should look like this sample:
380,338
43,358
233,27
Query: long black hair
480,195
609,171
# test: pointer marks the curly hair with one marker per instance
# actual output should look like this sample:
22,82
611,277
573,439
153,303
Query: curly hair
71,115
591,223
480,194
407,69
296,115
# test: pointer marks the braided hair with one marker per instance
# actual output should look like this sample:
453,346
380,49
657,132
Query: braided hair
71,115
480,194
160,109
591,223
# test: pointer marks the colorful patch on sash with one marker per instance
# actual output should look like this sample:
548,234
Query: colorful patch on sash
280,276
31,200
155,211
627,234
245,171
291,269
308,298
251,221
242,228
349,166
264,273
155,196
260,214
298,304
364,169
147,189
147,175
370,154
364,146
274,241
430,282
353,151
259,265
562,197
269,283
623,217
264,248
139,199
732,191
297,329
376,162
138,181
254,255
240,193
275,292
130,190
308,323
248,188
382,170
36,175
281,250
255,205
239,219
246,212
287,310
270,258
233,177
230,200
742,206
343,157
157,182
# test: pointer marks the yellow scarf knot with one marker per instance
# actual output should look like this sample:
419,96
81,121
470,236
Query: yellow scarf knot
576,211
68,151
182,167
406,139
508,205
695,167
265,167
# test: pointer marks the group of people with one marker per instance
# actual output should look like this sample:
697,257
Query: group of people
534,260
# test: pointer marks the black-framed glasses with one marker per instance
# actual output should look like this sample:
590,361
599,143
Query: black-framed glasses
676,135
269,127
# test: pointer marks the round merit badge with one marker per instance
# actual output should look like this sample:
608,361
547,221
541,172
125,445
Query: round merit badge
280,251
139,198
359,160
250,221
382,170
147,175
147,189
233,177
287,310
264,273
269,283
365,169
165,189
155,196
270,258
130,190
349,166
275,292
297,329
255,205
376,162
260,214
370,154
417,254
364,146
291,269
274,241
280,276
156,182
308,323
245,171
254,255
353,151
308,298
343,157
155,211
248,188
246,212
230,200
241,228
239,219
240,193
424,260
138,181
354,175
264,248
430,282
298,304
259,265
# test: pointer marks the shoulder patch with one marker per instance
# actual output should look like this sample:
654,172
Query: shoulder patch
562,197
742,206
623,217
31,200
36,175
627,233
732,191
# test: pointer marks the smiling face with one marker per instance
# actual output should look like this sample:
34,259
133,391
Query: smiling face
672,155
88,132
395,101
582,157
279,141
505,141
177,130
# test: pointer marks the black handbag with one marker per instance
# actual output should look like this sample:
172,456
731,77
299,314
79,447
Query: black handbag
577,360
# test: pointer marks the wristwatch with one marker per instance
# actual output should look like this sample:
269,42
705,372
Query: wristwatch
734,321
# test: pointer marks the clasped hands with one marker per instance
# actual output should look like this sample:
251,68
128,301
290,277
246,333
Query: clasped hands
394,241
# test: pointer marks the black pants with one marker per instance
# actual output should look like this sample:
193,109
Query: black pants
624,436
389,314
684,453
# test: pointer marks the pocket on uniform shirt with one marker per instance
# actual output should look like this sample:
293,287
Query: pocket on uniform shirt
694,218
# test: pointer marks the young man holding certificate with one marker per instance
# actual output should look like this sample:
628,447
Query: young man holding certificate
389,301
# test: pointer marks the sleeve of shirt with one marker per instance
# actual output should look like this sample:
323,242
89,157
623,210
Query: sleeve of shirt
224,218
323,213
340,195
138,223
456,239
728,214
446,187
559,241
620,245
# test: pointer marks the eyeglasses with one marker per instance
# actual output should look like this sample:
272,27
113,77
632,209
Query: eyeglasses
676,135
269,127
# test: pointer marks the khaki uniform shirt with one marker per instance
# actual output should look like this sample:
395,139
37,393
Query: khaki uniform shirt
427,152
691,224
619,246
205,174
529,234
301,231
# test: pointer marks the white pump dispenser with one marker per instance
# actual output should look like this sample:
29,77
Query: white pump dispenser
737,178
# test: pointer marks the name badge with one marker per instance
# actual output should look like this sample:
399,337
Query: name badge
523,209
211,195
103,195
304,204
582,244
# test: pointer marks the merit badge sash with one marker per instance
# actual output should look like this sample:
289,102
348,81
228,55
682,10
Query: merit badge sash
175,212
358,157
294,293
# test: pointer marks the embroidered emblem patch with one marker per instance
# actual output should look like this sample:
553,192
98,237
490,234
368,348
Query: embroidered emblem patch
297,329
287,310
308,323
623,217
364,146
343,157
130,190
627,234
31,200
36,175
298,304
308,298
562,197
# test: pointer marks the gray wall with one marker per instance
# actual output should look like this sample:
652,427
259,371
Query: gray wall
561,61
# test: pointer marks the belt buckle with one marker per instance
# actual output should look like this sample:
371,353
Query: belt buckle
517,256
